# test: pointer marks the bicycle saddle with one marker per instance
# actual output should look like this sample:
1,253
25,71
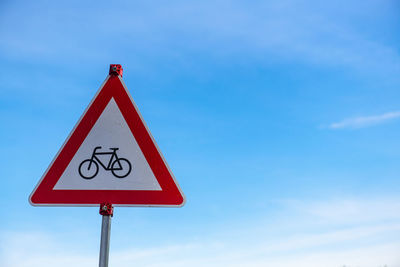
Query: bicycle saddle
114,148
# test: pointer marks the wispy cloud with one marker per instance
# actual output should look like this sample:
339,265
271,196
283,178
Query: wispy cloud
330,249
365,121
370,242
348,211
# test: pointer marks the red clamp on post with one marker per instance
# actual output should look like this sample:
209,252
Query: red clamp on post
106,209
116,69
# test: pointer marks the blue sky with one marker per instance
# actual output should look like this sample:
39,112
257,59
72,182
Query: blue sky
279,120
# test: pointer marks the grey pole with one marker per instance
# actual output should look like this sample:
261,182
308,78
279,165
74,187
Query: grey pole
105,236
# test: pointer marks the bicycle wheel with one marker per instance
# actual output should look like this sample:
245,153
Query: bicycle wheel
84,170
123,168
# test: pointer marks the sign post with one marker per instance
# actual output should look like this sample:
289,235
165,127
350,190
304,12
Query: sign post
106,210
109,159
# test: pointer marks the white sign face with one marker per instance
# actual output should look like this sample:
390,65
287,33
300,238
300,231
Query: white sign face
109,158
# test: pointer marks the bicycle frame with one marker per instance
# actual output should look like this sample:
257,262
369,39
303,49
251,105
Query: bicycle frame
113,155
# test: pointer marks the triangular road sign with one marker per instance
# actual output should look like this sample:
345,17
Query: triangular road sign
109,157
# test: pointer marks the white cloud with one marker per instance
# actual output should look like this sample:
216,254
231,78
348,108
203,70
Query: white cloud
315,250
360,122
30,249
348,210
317,239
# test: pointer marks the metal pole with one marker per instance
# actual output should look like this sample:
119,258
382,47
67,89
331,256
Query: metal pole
106,210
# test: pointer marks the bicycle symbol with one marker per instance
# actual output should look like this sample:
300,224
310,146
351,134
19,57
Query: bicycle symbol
119,167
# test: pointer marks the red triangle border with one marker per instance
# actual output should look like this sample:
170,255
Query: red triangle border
170,195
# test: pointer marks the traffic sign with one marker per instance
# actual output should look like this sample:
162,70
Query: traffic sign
109,157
